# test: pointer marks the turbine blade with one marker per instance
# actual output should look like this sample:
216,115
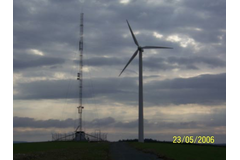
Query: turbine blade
134,38
134,55
156,47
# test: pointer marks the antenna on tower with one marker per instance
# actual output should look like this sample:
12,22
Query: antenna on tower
80,75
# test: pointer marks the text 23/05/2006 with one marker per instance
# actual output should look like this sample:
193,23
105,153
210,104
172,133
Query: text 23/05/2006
193,139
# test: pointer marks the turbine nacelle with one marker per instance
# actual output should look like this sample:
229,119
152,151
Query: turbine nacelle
140,49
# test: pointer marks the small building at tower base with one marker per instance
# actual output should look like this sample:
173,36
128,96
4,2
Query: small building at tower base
80,136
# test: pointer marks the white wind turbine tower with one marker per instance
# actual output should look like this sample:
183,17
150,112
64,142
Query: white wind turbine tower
140,99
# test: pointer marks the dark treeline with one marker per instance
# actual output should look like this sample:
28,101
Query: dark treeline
145,140
157,141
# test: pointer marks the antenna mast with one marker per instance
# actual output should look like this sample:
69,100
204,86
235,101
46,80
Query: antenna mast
80,74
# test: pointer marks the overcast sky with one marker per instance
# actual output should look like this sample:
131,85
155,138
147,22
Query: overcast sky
184,88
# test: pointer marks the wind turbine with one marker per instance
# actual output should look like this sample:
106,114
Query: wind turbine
140,99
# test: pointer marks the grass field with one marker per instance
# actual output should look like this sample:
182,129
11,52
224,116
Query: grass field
183,151
100,151
61,150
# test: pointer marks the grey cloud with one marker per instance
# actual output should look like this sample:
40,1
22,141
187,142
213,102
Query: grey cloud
57,89
49,89
32,123
204,81
102,61
210,61
53,27
110,122
101,122
129,125
158,63
157,125
211,7
203,89
39,62
105,25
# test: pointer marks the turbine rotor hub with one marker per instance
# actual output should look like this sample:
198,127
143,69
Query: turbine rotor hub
140,48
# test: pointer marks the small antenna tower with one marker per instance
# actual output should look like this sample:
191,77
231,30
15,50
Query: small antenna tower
79,134
80,74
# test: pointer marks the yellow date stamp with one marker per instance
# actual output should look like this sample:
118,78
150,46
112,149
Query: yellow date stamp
193,139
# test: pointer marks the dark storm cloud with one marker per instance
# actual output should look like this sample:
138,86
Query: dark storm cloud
203,89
